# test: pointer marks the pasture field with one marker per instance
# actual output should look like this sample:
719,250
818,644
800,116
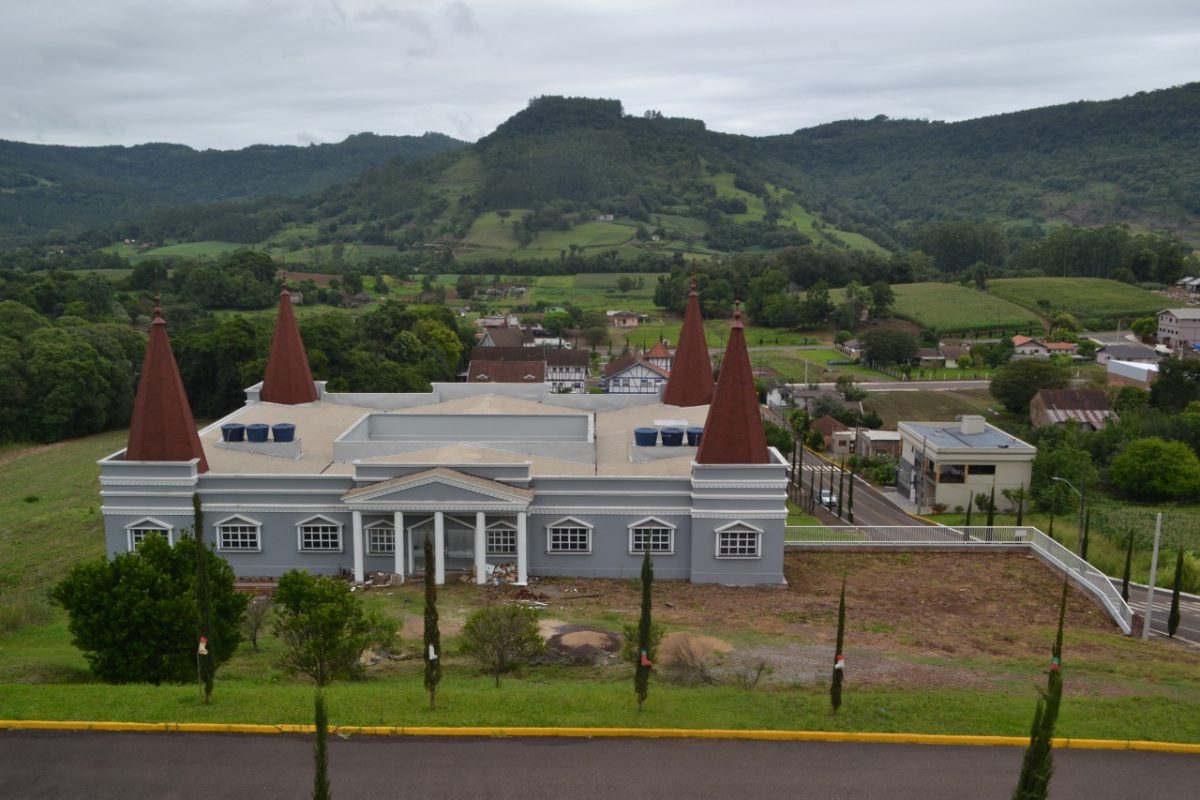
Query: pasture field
811,366
949,307
1085,298
893,407
185,250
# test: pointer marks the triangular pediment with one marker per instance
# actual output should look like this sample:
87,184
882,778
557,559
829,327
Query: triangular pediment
439,489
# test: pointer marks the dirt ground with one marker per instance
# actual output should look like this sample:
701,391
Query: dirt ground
913,619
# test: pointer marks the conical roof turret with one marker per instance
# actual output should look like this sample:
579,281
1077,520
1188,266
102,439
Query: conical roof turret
690,382
733,432
162,427
288,379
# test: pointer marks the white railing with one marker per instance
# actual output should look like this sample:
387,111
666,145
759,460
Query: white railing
1072,566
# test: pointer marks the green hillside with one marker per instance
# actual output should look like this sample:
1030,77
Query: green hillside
53,186
1086,298
949,307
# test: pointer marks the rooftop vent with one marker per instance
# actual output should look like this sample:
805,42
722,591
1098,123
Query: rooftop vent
972,423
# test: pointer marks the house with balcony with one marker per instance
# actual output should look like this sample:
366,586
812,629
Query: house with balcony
948,463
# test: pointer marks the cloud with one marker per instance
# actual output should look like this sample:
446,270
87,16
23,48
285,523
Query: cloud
228,73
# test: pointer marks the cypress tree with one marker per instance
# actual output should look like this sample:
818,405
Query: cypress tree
206,668
1083,546
1038,765
970,503
641,672
1021,507
992,508
433,637
850,501
320,753
1173,617
839,663
841,486
1128,567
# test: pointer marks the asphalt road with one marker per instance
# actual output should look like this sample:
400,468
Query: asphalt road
871,507
213,766
1189,614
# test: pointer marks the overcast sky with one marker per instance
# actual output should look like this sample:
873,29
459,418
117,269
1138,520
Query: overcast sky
229,73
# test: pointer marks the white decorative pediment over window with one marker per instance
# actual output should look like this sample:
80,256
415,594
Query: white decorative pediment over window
438,489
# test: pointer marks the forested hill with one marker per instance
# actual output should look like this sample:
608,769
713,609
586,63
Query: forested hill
54,186
1136,159
551,177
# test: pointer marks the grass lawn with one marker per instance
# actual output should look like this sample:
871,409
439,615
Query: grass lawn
186,250
813,366
895,406
1086,298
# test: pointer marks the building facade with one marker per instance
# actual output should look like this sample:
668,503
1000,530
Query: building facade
554,484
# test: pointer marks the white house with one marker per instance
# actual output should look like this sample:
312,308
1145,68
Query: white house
948,463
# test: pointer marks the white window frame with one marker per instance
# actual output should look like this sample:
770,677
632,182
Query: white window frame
739,527
497,528
145,526
653,524
242,522
378,527
323,522
571,524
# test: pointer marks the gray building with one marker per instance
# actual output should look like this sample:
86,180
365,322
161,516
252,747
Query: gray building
554,484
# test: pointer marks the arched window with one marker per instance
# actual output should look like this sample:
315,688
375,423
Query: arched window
652,534
739,540
239,534
568,535
319,535
136,532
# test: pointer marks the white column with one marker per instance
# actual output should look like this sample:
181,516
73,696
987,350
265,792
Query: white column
439,548
357,544
398,526
522,551
480,549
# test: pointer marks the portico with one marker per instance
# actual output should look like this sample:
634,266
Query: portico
469,518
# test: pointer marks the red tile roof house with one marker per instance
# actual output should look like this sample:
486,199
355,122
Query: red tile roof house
1025,347
491,474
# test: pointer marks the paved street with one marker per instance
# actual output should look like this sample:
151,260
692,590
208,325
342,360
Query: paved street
1189,614
212,766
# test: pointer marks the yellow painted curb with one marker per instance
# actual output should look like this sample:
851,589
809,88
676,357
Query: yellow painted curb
597,733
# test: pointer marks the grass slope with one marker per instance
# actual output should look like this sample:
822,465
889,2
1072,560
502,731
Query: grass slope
951,308
1086,298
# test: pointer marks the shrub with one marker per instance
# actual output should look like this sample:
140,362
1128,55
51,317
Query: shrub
135,617
629,644
501,638
324,628
1156,469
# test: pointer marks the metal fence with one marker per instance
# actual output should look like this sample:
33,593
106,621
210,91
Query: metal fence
918,537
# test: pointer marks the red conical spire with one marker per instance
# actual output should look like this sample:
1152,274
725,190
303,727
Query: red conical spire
691,381
162,428
733,432
288,379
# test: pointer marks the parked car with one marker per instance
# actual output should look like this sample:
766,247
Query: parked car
829,498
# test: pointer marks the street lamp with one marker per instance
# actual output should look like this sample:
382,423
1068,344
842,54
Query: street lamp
1082,508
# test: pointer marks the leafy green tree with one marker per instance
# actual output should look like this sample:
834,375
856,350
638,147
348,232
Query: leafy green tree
1064,460
839,661
641,674
1144,327
464,287
324,628
135,616
1156,469
883,346
502,637
881,299
1038,765
432,651
1016,383
1177,384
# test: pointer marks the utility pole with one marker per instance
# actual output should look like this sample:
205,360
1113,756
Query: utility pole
1153,574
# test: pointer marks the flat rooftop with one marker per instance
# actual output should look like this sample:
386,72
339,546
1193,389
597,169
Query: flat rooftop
555,440
949,435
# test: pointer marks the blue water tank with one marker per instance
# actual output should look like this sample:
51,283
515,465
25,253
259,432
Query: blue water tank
645,437
257,432
672,437
233,432
693,436
283,432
